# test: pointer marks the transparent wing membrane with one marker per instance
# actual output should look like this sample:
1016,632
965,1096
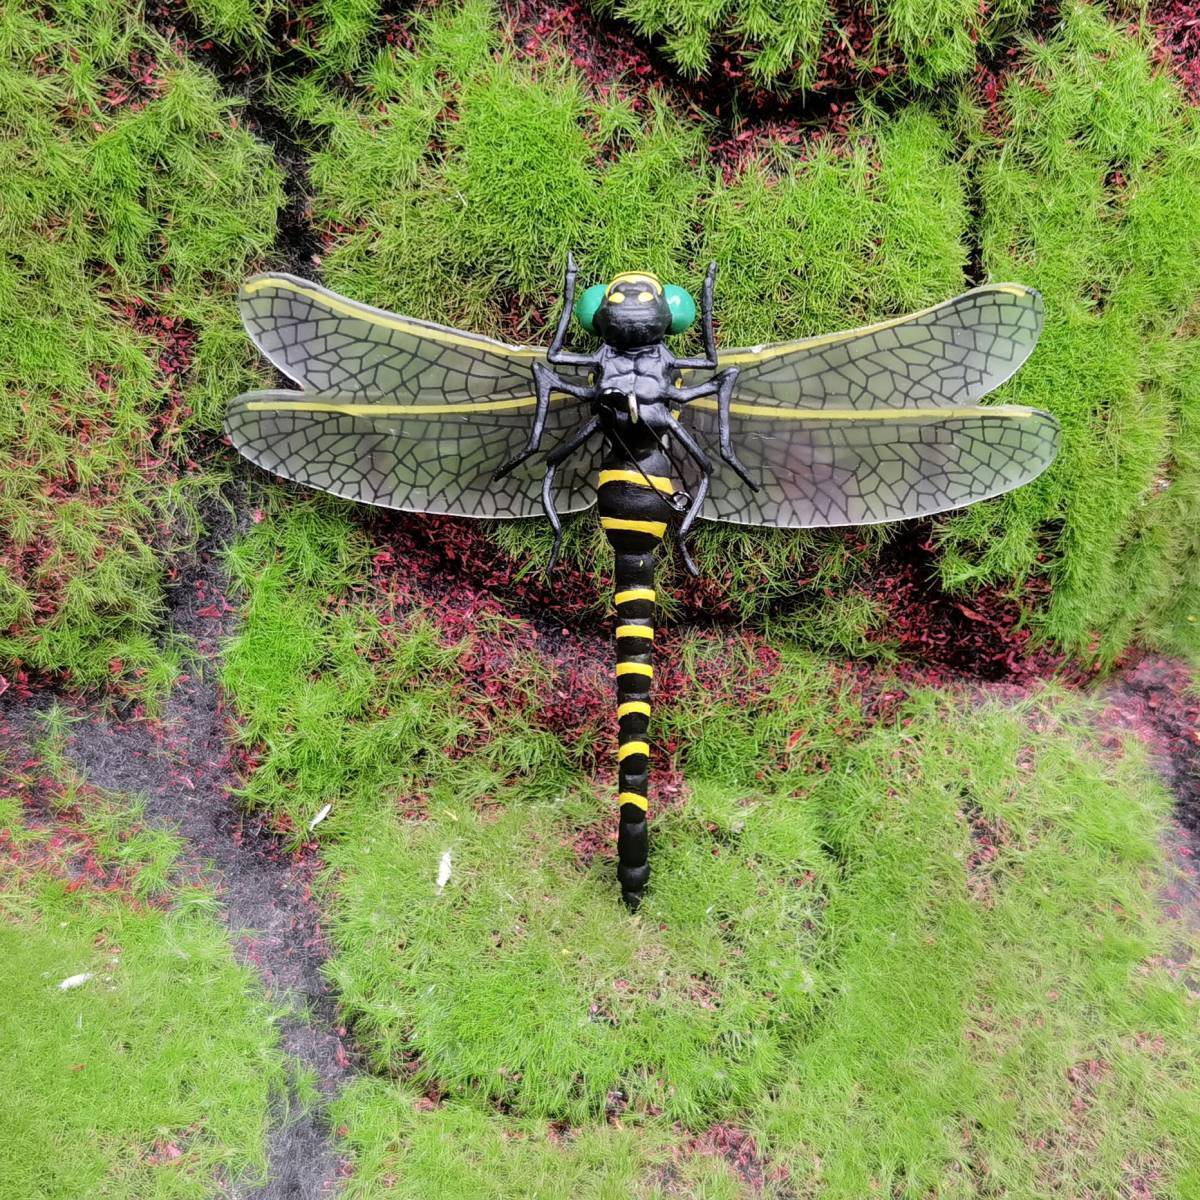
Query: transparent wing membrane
849,467
434,458
869,425
327,343
953,353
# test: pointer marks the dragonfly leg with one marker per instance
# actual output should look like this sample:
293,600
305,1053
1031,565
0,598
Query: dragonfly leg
720,385
555,354
697,455
725,381
554,460
709,361
545,381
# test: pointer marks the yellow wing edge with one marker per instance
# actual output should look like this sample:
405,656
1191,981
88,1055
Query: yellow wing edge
1014,412
755,354
386,320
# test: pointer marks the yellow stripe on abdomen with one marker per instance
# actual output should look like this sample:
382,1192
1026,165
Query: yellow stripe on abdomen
659,482
654,528
637,631
629,668
631,594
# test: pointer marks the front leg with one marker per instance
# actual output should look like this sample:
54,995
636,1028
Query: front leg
545,381
709,361
556,355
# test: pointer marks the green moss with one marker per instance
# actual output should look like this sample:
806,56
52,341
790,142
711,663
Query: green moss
111,213
155,1076
1089,193
782,41
860,942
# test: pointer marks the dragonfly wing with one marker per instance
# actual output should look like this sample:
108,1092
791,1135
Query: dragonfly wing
953,353
845,467
432,458
327,343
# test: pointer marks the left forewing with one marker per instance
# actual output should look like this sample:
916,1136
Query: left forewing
822,468
327,342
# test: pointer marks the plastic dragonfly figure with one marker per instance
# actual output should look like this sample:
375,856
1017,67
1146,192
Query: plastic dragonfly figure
873,424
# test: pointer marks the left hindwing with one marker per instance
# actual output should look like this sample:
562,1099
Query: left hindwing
433,458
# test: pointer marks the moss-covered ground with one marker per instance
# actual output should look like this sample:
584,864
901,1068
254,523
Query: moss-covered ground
906,934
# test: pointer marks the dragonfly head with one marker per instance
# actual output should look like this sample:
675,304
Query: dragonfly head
635,309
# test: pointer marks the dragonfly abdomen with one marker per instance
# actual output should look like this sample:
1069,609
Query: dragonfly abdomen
634,514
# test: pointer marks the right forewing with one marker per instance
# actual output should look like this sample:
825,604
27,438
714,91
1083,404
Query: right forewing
951,354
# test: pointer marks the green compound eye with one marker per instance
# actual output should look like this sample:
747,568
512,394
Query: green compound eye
588,303
682,306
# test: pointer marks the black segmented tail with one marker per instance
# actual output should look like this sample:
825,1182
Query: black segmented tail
634,514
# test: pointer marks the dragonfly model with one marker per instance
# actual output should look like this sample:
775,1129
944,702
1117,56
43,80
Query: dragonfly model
880,423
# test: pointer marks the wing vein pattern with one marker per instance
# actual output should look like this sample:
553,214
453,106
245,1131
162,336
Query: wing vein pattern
395,412
952,353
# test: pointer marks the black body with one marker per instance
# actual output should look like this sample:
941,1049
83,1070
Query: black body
635,389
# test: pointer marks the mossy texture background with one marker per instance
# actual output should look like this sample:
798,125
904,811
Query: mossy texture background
442,164
902,939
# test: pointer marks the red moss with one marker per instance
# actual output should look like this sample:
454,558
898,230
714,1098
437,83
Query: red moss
943,638
736,1147
1177,26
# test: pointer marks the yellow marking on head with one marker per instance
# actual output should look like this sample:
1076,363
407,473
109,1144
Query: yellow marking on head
616,297
760,353
633,706
872,414
679,381
633,798
659,482
644,296
635,669
631,748
375,316
636,277
639,631
633,594
656,528
388,410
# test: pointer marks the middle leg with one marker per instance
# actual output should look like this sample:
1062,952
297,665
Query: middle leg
545,381
554,460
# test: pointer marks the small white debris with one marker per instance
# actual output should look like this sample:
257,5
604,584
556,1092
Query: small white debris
443,872
320,816
74,981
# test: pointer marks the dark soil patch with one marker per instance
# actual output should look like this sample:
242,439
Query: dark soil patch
182,767
1156,699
